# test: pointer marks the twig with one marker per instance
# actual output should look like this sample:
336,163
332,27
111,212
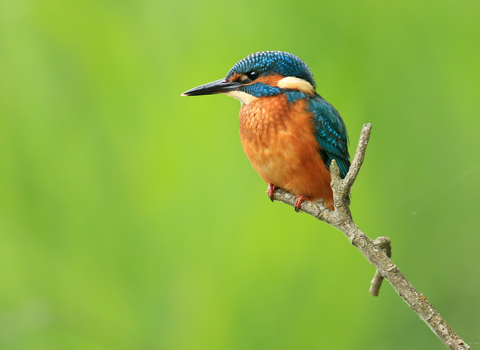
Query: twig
373,251
383,243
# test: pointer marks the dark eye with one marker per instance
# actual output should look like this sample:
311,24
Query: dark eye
252,75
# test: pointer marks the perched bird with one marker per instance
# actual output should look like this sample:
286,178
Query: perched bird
288,131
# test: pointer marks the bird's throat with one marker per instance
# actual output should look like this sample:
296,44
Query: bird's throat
243,97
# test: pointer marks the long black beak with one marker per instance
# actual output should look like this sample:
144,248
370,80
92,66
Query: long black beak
215,87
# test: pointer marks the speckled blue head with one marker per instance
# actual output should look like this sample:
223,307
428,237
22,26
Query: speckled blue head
273,62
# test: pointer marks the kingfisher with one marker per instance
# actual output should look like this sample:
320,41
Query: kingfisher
288,131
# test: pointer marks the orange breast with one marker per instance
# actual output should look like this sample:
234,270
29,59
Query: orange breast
278,139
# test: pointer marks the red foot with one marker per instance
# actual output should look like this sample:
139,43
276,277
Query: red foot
271,188
298,202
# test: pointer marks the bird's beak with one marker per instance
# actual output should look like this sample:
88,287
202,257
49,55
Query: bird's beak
215,87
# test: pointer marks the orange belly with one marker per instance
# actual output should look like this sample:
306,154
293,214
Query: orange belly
278,139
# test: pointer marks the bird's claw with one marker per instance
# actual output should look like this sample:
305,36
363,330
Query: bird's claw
270,190
298,202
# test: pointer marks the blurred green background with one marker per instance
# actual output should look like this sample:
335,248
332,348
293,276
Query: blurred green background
131,219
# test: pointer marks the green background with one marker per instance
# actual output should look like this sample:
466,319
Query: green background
130,217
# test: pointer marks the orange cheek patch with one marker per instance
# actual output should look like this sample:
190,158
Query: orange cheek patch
234,77
271,80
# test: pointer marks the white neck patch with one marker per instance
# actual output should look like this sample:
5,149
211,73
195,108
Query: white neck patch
243,97
296,84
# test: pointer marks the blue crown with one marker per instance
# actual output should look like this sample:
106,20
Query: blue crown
270,62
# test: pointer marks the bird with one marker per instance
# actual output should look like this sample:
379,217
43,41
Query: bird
288,131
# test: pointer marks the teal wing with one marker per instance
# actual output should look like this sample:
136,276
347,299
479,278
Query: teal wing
331,134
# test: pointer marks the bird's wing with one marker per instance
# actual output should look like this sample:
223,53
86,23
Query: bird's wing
331,134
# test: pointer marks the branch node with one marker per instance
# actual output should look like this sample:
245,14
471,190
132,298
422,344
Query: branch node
384,244
391,268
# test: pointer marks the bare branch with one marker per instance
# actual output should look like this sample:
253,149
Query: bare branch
376,252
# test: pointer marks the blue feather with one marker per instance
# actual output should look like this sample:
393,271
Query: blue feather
260,90
294,95
331,134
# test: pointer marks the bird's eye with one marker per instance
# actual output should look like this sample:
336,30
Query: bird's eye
252,75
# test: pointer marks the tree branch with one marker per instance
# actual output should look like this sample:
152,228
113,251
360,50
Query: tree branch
376,252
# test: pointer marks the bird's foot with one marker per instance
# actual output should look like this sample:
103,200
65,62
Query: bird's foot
271,188
298,202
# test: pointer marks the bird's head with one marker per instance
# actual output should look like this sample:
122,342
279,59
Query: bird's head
261,74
